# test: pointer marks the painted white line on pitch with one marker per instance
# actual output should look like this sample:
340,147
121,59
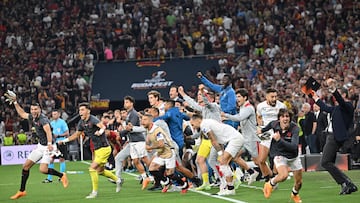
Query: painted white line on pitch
217,196
85,162
251,186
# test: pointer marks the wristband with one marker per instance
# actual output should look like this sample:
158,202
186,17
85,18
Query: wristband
15,102
49,143
220,153
65,140
101,131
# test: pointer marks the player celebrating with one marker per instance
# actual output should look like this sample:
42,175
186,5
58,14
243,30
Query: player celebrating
284,149
267,111
92,127
45,147
158,140
221,134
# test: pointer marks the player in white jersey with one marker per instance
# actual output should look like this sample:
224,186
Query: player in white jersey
267,111
221,134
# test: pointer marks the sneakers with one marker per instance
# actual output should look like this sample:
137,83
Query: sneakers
348,188
268,188
296,198
47,181
92,195
237,184
185,187
216,183
252,177
204,186
226,192
64,180
145,183
165,184
18,195
119,182
165,188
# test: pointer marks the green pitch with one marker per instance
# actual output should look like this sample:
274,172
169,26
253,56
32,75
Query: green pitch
317,187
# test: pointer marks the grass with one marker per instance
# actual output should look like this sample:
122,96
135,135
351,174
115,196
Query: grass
317,187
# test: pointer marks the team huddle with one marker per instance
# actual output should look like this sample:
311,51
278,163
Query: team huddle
174,143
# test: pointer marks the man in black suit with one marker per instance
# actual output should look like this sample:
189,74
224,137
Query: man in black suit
341,120
322,123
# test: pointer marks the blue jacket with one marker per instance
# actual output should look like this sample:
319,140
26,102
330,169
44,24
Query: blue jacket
174,118
227,96
341,116
227,99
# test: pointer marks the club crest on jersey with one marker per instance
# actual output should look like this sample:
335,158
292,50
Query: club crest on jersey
204,131
159,136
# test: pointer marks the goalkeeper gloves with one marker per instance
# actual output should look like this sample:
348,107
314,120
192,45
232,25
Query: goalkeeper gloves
10,97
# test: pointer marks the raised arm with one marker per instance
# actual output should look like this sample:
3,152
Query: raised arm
11,98
207,83
192,103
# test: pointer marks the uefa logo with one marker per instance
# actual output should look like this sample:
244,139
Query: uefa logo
8,155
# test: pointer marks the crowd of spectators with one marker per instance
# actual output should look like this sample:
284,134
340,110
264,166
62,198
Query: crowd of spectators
48,48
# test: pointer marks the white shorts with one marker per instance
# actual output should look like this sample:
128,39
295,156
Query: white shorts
137,150
42,152
253,148
234,146
294,164
266,143
169,163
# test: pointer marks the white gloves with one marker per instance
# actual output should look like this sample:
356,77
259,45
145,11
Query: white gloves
10,97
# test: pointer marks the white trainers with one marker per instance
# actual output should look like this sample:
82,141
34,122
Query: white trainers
252,177
92,195
237,184
118,185
226,192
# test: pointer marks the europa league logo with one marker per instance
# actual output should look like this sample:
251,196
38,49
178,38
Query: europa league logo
9,155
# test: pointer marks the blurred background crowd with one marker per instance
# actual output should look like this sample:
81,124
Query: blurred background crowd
48,48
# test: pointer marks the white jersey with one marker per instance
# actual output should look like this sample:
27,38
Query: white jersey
223,132
161,108
269,113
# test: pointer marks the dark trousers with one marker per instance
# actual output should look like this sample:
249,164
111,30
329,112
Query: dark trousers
312,142
322,140
328,159
303,143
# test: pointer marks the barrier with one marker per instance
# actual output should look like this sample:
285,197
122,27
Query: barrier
313,162
115,80
11,155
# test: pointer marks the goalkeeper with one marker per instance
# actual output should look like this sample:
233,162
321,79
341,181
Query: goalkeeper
45,148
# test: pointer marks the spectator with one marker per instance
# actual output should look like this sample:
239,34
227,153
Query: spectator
309,128
21,138
199,46
9,139
81,82
108,54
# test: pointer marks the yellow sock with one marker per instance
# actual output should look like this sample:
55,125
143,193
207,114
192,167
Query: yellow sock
205,178
108,174
94,179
